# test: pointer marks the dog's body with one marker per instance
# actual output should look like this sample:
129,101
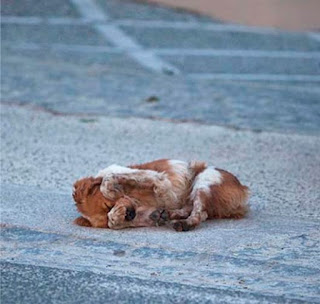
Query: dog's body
182,194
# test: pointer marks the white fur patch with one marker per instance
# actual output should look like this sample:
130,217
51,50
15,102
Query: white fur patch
115,169
86,217
180,181
180,167
205,179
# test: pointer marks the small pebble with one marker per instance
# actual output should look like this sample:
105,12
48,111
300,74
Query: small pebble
152,98
119,253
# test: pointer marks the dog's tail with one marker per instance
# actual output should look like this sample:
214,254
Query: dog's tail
197,167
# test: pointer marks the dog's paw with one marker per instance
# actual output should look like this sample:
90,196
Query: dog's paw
117,216
120,215
111,188
182,225
159,217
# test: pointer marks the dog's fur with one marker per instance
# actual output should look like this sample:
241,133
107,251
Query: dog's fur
91,203
171,191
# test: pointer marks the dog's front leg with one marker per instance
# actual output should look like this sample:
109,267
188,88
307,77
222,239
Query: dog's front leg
119,181
112,186
122,214
147,181
115,178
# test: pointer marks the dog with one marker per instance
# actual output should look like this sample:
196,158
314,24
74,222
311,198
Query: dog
99,212
170,192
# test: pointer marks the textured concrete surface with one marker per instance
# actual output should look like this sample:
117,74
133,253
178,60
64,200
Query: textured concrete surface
75,98
271,256
56,150
67,286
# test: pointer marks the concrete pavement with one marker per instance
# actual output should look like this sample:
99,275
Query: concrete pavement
86,84
271,256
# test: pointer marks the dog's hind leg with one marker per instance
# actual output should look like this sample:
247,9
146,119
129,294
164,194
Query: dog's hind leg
198,214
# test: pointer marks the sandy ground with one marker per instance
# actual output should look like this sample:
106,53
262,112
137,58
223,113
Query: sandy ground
286,14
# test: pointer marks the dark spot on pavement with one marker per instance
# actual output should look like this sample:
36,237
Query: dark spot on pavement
88,120
152,99
168,71
119,253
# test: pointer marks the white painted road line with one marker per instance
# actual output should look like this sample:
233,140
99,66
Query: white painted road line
40,20
141,54
117,37
22,46
84,48
315,36
96,17
20,20
156,24
62,47
186,25
71,21
254,77
126,45
121,40
235,53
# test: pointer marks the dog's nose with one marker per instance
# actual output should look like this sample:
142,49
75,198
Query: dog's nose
130,214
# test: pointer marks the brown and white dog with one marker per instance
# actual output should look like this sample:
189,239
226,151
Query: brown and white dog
160,192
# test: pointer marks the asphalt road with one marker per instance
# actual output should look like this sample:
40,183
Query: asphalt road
109,58
86,84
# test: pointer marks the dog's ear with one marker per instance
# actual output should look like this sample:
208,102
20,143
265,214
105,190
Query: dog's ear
95,185
77,186
97,180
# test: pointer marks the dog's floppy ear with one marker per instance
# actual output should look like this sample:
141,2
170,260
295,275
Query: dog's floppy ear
77,190
97,181
95,184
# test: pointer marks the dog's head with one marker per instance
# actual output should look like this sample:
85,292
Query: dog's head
91,202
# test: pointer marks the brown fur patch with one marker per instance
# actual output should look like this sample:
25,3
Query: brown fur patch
227,200
90,201
160,165
197,167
